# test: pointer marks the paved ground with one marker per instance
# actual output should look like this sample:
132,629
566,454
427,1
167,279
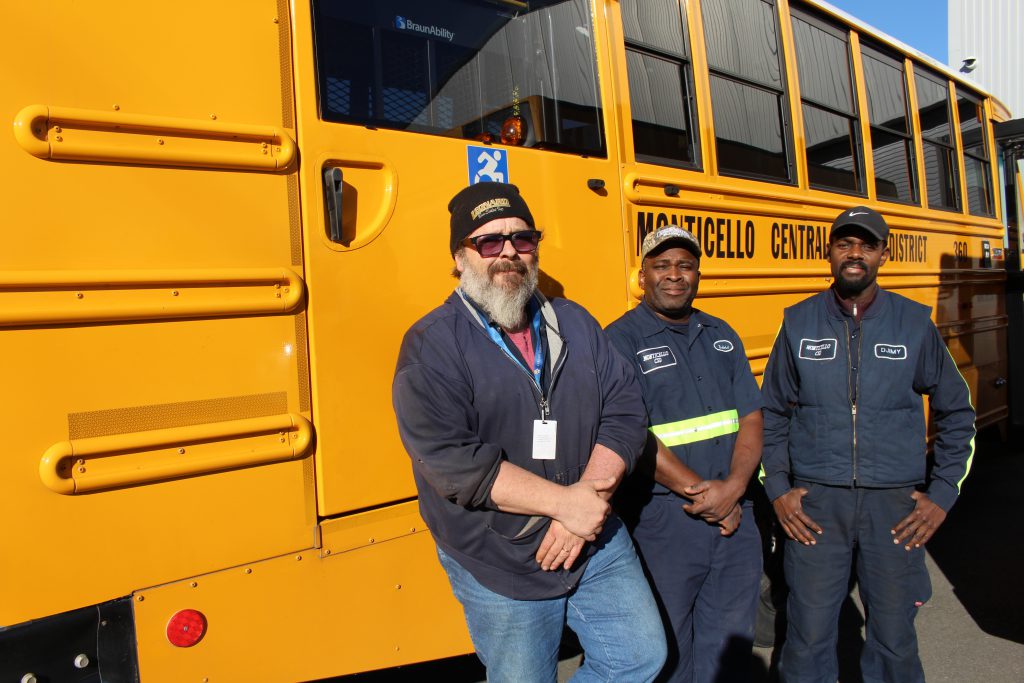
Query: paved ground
972,630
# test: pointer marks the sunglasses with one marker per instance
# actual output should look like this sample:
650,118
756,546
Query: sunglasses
489,246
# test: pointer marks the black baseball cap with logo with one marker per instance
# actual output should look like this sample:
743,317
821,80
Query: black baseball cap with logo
482,203
861,217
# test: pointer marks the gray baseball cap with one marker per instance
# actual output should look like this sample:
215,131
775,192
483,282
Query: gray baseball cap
657,241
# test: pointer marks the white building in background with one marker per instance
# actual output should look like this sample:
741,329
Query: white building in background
986,44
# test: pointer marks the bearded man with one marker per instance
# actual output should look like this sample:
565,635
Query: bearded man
520,421
844,457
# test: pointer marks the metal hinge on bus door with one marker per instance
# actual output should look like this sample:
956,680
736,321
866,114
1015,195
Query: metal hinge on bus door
332,198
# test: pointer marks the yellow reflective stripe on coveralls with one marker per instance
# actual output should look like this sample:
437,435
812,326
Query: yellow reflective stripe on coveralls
698,428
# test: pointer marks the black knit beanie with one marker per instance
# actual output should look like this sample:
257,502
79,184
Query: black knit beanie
481,203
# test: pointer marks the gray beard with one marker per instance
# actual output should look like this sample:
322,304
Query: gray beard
506,306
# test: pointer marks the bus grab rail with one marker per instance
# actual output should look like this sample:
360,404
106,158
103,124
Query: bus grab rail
116,461
55,133
58,297
705,194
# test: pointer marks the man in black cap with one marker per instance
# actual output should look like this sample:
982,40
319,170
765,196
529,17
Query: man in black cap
521,420
844,456
704,444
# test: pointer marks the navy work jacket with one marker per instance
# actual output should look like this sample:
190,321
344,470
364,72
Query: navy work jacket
464,406
813,429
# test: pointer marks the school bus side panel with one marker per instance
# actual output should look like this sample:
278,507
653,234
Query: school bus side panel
150,300
765,239
393,265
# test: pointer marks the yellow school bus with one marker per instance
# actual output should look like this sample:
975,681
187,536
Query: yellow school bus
220,218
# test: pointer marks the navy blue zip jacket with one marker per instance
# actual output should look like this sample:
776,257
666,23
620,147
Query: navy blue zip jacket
815,431
464,405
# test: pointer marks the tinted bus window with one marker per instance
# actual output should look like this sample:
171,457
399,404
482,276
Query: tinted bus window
660,82
892,138
977,170
461,69
829,109
748,89
940,167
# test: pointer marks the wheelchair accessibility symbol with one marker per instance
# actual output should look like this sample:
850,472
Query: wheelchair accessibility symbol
487,164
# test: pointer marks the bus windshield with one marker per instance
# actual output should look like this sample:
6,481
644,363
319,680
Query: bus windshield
521,73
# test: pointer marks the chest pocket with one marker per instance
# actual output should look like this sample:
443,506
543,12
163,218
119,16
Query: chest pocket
889,364
821,360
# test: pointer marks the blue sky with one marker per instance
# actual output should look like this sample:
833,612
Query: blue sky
921,24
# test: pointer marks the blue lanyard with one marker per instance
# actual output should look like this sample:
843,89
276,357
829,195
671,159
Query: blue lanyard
538,347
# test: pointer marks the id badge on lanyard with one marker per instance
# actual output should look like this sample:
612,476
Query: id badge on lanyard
545,432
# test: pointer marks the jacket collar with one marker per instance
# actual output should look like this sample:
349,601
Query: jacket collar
469,307
465,306
552,333
651,324
874,310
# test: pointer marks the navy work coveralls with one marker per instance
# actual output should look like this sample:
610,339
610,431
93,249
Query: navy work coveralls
844,419
696,383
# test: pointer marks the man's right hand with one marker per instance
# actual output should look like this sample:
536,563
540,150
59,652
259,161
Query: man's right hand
731,521
795,522
582,510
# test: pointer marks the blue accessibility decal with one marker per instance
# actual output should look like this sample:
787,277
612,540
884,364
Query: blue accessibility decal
487,164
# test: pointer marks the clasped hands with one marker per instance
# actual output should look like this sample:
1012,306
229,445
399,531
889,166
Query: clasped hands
716,501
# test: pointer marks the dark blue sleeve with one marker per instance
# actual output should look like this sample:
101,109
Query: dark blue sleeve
952,416
623,426
780,390
437,423
622,342
744,386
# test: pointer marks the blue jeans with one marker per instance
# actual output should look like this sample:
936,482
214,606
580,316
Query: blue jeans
611,611
893,583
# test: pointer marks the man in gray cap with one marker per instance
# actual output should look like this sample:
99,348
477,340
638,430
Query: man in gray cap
704,443
844,456
521,420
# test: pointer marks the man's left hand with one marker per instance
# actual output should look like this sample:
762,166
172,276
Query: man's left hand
560,547
917,528
714,499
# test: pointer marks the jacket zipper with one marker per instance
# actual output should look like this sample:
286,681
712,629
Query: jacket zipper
860,371
850,398
544,405
854,389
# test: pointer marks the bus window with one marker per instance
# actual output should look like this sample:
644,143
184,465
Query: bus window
829,110
892,137
748,89
940,168
660,82
977,168
463,69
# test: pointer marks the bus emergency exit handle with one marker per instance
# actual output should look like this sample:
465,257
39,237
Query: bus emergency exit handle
333,183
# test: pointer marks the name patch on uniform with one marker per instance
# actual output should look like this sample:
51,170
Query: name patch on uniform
818,349
891,351
724,345
655,359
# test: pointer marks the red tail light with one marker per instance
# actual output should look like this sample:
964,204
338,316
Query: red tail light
186,628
